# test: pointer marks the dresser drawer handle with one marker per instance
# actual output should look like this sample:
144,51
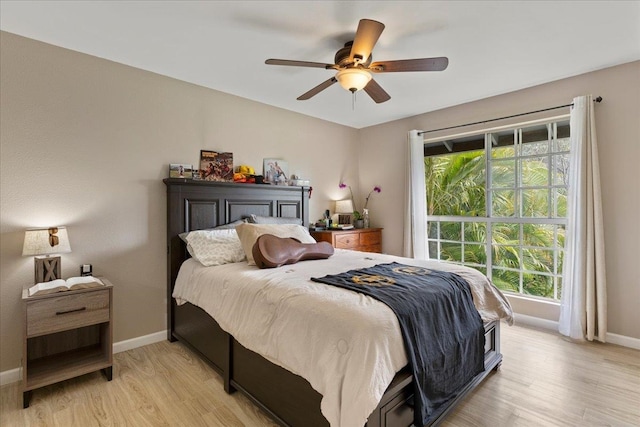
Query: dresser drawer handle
58,313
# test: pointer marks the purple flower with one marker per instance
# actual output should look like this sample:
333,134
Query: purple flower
377,189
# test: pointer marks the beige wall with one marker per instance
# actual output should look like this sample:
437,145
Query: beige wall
383,153
85,143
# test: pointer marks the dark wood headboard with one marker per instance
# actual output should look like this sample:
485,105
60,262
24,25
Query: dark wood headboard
195,205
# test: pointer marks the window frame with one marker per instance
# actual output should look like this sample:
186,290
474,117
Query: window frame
490,220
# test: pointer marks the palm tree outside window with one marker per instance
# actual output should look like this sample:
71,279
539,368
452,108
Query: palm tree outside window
497,202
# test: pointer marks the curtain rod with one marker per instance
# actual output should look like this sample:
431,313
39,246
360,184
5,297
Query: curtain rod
598,99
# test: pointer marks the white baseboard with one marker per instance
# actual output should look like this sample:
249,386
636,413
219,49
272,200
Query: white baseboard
10,376
623,341
15,375
523,319
125,345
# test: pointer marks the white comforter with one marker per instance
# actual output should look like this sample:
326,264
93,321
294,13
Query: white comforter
347,345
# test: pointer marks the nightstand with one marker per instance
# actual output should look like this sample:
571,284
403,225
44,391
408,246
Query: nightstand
357,239
66,334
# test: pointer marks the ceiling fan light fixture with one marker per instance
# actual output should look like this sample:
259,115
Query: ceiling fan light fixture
353,79
354,65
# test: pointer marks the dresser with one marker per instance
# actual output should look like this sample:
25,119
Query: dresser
357,239
66,334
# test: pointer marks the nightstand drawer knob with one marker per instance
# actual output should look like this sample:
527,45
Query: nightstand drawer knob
58,313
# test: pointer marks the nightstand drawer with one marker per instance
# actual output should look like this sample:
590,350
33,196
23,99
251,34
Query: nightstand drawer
347,241
66,312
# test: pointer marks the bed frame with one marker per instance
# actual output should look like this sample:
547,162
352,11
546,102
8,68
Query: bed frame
286,397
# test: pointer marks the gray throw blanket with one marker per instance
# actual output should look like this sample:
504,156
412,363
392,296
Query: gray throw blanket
442,330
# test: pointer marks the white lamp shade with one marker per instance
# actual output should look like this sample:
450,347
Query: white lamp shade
353,79
344,206
46,241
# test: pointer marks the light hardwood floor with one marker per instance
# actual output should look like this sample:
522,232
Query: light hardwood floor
544,381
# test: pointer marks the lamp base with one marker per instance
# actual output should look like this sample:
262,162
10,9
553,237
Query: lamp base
47,269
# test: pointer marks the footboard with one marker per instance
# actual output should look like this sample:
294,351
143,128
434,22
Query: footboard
396,406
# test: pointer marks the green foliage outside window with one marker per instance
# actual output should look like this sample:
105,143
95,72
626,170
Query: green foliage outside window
526,256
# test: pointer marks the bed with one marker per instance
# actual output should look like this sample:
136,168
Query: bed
288,398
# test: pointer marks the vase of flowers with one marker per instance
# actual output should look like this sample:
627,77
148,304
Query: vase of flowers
361,220
365,211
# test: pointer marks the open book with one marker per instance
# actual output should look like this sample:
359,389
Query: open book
60,285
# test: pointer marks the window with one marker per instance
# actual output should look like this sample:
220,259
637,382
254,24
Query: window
497,202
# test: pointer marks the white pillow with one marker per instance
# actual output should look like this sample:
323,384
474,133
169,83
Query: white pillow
229,226
215,247
249,233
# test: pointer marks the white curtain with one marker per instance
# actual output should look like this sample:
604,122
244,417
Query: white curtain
415,223
583,312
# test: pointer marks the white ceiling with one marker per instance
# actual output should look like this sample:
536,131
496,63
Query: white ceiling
493,47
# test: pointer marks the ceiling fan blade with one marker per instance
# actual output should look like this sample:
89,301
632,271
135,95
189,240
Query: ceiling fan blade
375,91
366,38
316,90
422,64
299,63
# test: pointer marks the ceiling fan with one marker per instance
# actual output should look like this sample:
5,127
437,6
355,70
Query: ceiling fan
354,64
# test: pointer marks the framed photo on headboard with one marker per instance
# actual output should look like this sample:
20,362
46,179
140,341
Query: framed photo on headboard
275,171
216,166
178,170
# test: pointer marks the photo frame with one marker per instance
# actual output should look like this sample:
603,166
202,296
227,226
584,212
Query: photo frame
344,219
180,170
215,166
275,171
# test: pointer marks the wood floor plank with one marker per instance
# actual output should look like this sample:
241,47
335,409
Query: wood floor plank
544,380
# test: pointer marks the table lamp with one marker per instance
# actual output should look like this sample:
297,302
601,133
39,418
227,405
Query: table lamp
344,209
46,241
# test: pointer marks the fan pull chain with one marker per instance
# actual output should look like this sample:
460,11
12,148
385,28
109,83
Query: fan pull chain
353,101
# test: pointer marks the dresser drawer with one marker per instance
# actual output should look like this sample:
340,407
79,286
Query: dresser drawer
357,239
67,312
347,240
370,239
371,248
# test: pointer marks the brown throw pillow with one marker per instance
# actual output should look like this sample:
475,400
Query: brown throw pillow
271,251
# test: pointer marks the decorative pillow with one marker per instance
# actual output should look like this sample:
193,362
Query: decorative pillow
271,251
257,219
229,226
215,247
249,233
